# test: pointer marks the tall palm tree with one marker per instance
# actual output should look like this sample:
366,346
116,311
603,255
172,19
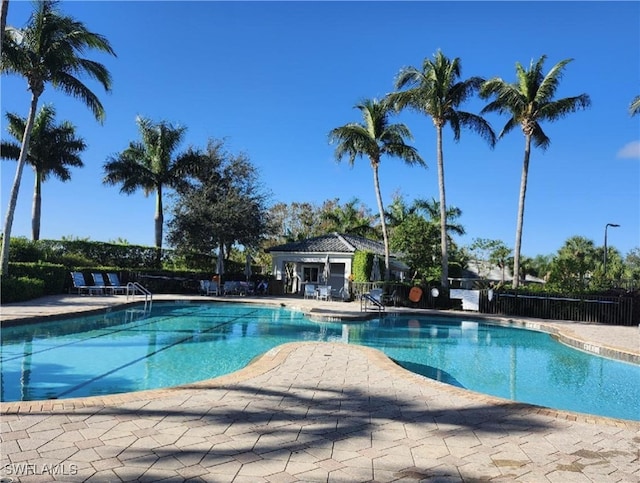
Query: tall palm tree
634,107
436,91
528,102
150,165
373,138
52,150
50,50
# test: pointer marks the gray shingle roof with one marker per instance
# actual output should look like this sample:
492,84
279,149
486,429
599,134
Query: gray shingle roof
332,242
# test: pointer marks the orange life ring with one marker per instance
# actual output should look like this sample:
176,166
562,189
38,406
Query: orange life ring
415,294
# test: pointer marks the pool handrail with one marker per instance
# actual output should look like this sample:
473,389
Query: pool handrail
133,287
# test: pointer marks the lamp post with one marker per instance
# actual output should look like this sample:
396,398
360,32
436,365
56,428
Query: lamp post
614,225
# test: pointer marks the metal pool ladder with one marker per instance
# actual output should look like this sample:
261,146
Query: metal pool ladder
134,288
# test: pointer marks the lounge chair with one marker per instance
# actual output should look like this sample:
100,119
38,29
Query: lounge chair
81,286
310,291
116,286
98,281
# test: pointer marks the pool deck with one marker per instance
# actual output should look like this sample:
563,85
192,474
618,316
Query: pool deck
312,412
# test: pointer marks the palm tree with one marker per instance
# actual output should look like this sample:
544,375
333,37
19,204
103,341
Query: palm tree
52,150
437,91
530,101
432,208
374,138
634,107
350,219
149,165
49,50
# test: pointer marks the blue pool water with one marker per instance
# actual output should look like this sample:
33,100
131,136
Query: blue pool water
181,343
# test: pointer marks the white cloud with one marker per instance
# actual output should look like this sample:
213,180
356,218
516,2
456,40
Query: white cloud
630,150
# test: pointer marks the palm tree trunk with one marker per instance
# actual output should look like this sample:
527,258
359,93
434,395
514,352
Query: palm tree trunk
159,221
444,279
37,207
383,224
3,18
13,199
523,193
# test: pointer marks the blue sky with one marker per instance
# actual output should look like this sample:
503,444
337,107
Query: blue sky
274,78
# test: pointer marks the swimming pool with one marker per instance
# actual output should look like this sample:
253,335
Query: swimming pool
175,344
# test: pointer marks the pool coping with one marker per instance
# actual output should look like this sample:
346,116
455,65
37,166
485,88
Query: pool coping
272,358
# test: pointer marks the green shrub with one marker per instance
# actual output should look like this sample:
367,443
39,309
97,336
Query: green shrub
52,275
25,250
18,289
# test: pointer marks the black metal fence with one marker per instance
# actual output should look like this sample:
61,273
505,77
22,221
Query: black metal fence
614,310
621,309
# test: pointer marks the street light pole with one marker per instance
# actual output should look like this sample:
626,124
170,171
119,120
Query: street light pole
614,225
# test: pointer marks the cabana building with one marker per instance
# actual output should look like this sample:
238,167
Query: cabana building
325,260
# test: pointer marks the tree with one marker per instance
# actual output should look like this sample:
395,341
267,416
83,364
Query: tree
49,50
223,206
432,209
150,165
575,264
436,91
486,253
374,138
52,150
293,222
632,266
352,218
528,102
417,239
634,107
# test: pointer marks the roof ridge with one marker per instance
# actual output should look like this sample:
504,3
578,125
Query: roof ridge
343,240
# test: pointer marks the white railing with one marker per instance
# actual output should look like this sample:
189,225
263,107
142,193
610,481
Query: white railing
134,288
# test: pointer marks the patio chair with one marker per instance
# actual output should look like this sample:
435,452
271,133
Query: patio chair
214,288
377,294
209,287
310,291
323,293
372,299
391,298
98,281
116,286
338,294
230,288
81,286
